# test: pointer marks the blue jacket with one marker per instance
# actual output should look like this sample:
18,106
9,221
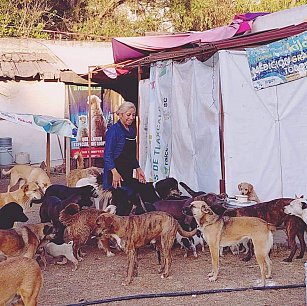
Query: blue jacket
114,144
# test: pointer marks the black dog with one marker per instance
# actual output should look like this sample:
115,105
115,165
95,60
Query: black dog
10,213
50,210
63,192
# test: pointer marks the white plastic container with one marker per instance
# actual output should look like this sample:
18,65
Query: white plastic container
22,158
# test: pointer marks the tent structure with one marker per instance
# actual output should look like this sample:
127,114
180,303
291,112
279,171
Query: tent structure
202,121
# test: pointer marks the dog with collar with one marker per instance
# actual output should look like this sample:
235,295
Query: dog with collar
223,231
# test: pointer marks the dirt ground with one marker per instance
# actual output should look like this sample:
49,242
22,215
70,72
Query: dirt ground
98,279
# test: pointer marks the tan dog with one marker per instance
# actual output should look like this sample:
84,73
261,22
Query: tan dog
80,225
225,231
20,276
248,189
25,240
27,174
21,196
76,174
133,232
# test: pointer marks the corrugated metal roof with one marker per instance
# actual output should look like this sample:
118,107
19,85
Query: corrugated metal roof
30,65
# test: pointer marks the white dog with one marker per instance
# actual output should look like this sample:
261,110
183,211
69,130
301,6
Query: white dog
297,207
65,249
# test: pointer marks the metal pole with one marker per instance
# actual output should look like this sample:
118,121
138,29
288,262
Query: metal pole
89,117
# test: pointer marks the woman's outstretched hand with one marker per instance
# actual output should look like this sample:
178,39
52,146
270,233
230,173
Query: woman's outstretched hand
117,179
140,175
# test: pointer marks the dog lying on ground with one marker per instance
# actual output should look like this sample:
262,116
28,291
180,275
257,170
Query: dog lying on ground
22,196
223,231
134,232
11,213
80,225
25,240
297,207
27,174
20,276
248,189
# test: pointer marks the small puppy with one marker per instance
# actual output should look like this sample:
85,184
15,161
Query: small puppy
11,213
20,276
26,174
191,243
23,196
248,189
64,250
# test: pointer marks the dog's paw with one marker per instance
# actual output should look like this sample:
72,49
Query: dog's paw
210,274
212,278
110,254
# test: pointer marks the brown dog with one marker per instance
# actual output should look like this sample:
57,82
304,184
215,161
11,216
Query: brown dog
20,276
21,196
27,174
248,189
80,225
133,232
25,240
226,231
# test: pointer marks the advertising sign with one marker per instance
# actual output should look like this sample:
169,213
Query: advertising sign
278,62
101,119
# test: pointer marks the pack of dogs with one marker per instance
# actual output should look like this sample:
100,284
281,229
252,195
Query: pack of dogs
158,214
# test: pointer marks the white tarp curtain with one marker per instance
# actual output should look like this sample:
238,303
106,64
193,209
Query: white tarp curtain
192,92
265,131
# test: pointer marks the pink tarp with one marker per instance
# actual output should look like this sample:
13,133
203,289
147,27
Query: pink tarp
126,48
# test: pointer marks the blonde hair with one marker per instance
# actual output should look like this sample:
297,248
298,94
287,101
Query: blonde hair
124,107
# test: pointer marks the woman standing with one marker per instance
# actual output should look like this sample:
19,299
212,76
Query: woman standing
120,151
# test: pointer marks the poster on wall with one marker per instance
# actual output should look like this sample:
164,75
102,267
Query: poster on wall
101,119
278,62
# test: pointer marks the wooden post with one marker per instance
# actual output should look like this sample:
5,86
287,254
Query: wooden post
48,154
89,117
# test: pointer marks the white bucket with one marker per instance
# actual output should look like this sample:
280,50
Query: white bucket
22,158
6,156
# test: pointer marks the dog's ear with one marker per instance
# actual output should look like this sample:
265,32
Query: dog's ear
239,186
206,210
250,187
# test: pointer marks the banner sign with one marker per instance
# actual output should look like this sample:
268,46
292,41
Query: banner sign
47,124
278,62
101,118
159,121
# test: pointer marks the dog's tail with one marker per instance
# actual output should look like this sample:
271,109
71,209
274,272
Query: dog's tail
190,191
6,172
184,233
66,215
